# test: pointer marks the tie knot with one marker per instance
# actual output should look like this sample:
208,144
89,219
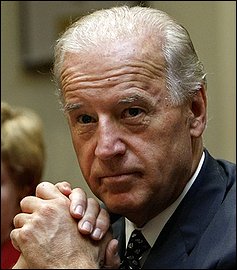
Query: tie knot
137,245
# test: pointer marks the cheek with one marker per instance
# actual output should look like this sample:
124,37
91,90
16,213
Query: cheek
171,130
163,145
85,153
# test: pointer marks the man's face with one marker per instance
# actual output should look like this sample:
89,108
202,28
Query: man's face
133,146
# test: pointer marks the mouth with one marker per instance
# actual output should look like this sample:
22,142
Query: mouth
117,177
121,181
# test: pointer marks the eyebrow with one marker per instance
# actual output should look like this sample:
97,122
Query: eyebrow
132,98
68,107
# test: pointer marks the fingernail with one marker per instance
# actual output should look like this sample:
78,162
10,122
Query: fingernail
78,210
87,226
97,233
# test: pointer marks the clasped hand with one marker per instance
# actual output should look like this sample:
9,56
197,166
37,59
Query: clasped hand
62,228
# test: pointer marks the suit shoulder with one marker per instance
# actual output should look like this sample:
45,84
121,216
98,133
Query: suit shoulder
229,169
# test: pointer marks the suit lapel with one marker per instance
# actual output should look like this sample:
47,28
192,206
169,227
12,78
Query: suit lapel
188,222
119,233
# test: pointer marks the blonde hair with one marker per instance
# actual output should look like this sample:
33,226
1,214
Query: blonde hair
22,145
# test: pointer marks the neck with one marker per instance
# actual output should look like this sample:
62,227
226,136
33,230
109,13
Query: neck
155,209
197,146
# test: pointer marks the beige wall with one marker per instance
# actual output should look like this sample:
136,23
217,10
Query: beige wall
212,28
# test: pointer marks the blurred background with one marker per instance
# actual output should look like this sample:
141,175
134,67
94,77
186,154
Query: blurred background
30,28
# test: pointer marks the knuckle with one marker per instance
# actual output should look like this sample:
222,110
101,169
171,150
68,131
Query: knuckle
79,193
25,234
36,221
16,221
90,217
79,190
47,209
104,213
24,201
63,184
103,220
52,207
102,224
14,239
93,203
13,234
78,196
62,200
42,186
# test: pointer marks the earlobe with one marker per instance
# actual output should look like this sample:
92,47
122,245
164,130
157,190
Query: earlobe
197,128
198,109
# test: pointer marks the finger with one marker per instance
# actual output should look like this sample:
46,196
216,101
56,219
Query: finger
64,187
102,225
20,219
78,202
30,203
112,259
47,191
88,221
14,236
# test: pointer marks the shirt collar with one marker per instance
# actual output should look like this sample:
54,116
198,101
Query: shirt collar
153,228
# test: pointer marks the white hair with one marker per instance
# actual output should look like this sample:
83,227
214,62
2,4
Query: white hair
184,72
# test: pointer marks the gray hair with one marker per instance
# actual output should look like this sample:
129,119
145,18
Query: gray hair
184,72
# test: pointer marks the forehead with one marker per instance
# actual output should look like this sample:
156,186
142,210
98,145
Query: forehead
120,66
94,57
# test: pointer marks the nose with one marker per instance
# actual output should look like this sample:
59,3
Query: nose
109,141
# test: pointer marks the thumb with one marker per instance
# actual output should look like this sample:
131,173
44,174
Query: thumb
112,259
21,263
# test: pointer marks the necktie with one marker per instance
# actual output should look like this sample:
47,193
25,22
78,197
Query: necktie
137,245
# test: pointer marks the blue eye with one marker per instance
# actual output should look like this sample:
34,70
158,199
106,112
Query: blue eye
85,119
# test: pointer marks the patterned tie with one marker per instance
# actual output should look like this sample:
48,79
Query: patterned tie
137,245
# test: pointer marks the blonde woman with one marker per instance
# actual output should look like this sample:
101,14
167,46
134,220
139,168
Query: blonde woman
22,164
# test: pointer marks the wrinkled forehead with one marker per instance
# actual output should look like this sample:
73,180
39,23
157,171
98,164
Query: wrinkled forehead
119,52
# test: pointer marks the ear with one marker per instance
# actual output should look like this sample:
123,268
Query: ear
198,108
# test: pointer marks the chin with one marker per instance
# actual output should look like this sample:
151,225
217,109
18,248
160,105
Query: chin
121,204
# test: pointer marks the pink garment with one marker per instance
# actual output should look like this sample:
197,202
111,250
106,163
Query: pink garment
9,255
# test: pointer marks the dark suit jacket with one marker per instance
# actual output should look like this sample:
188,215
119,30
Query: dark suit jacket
201,234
